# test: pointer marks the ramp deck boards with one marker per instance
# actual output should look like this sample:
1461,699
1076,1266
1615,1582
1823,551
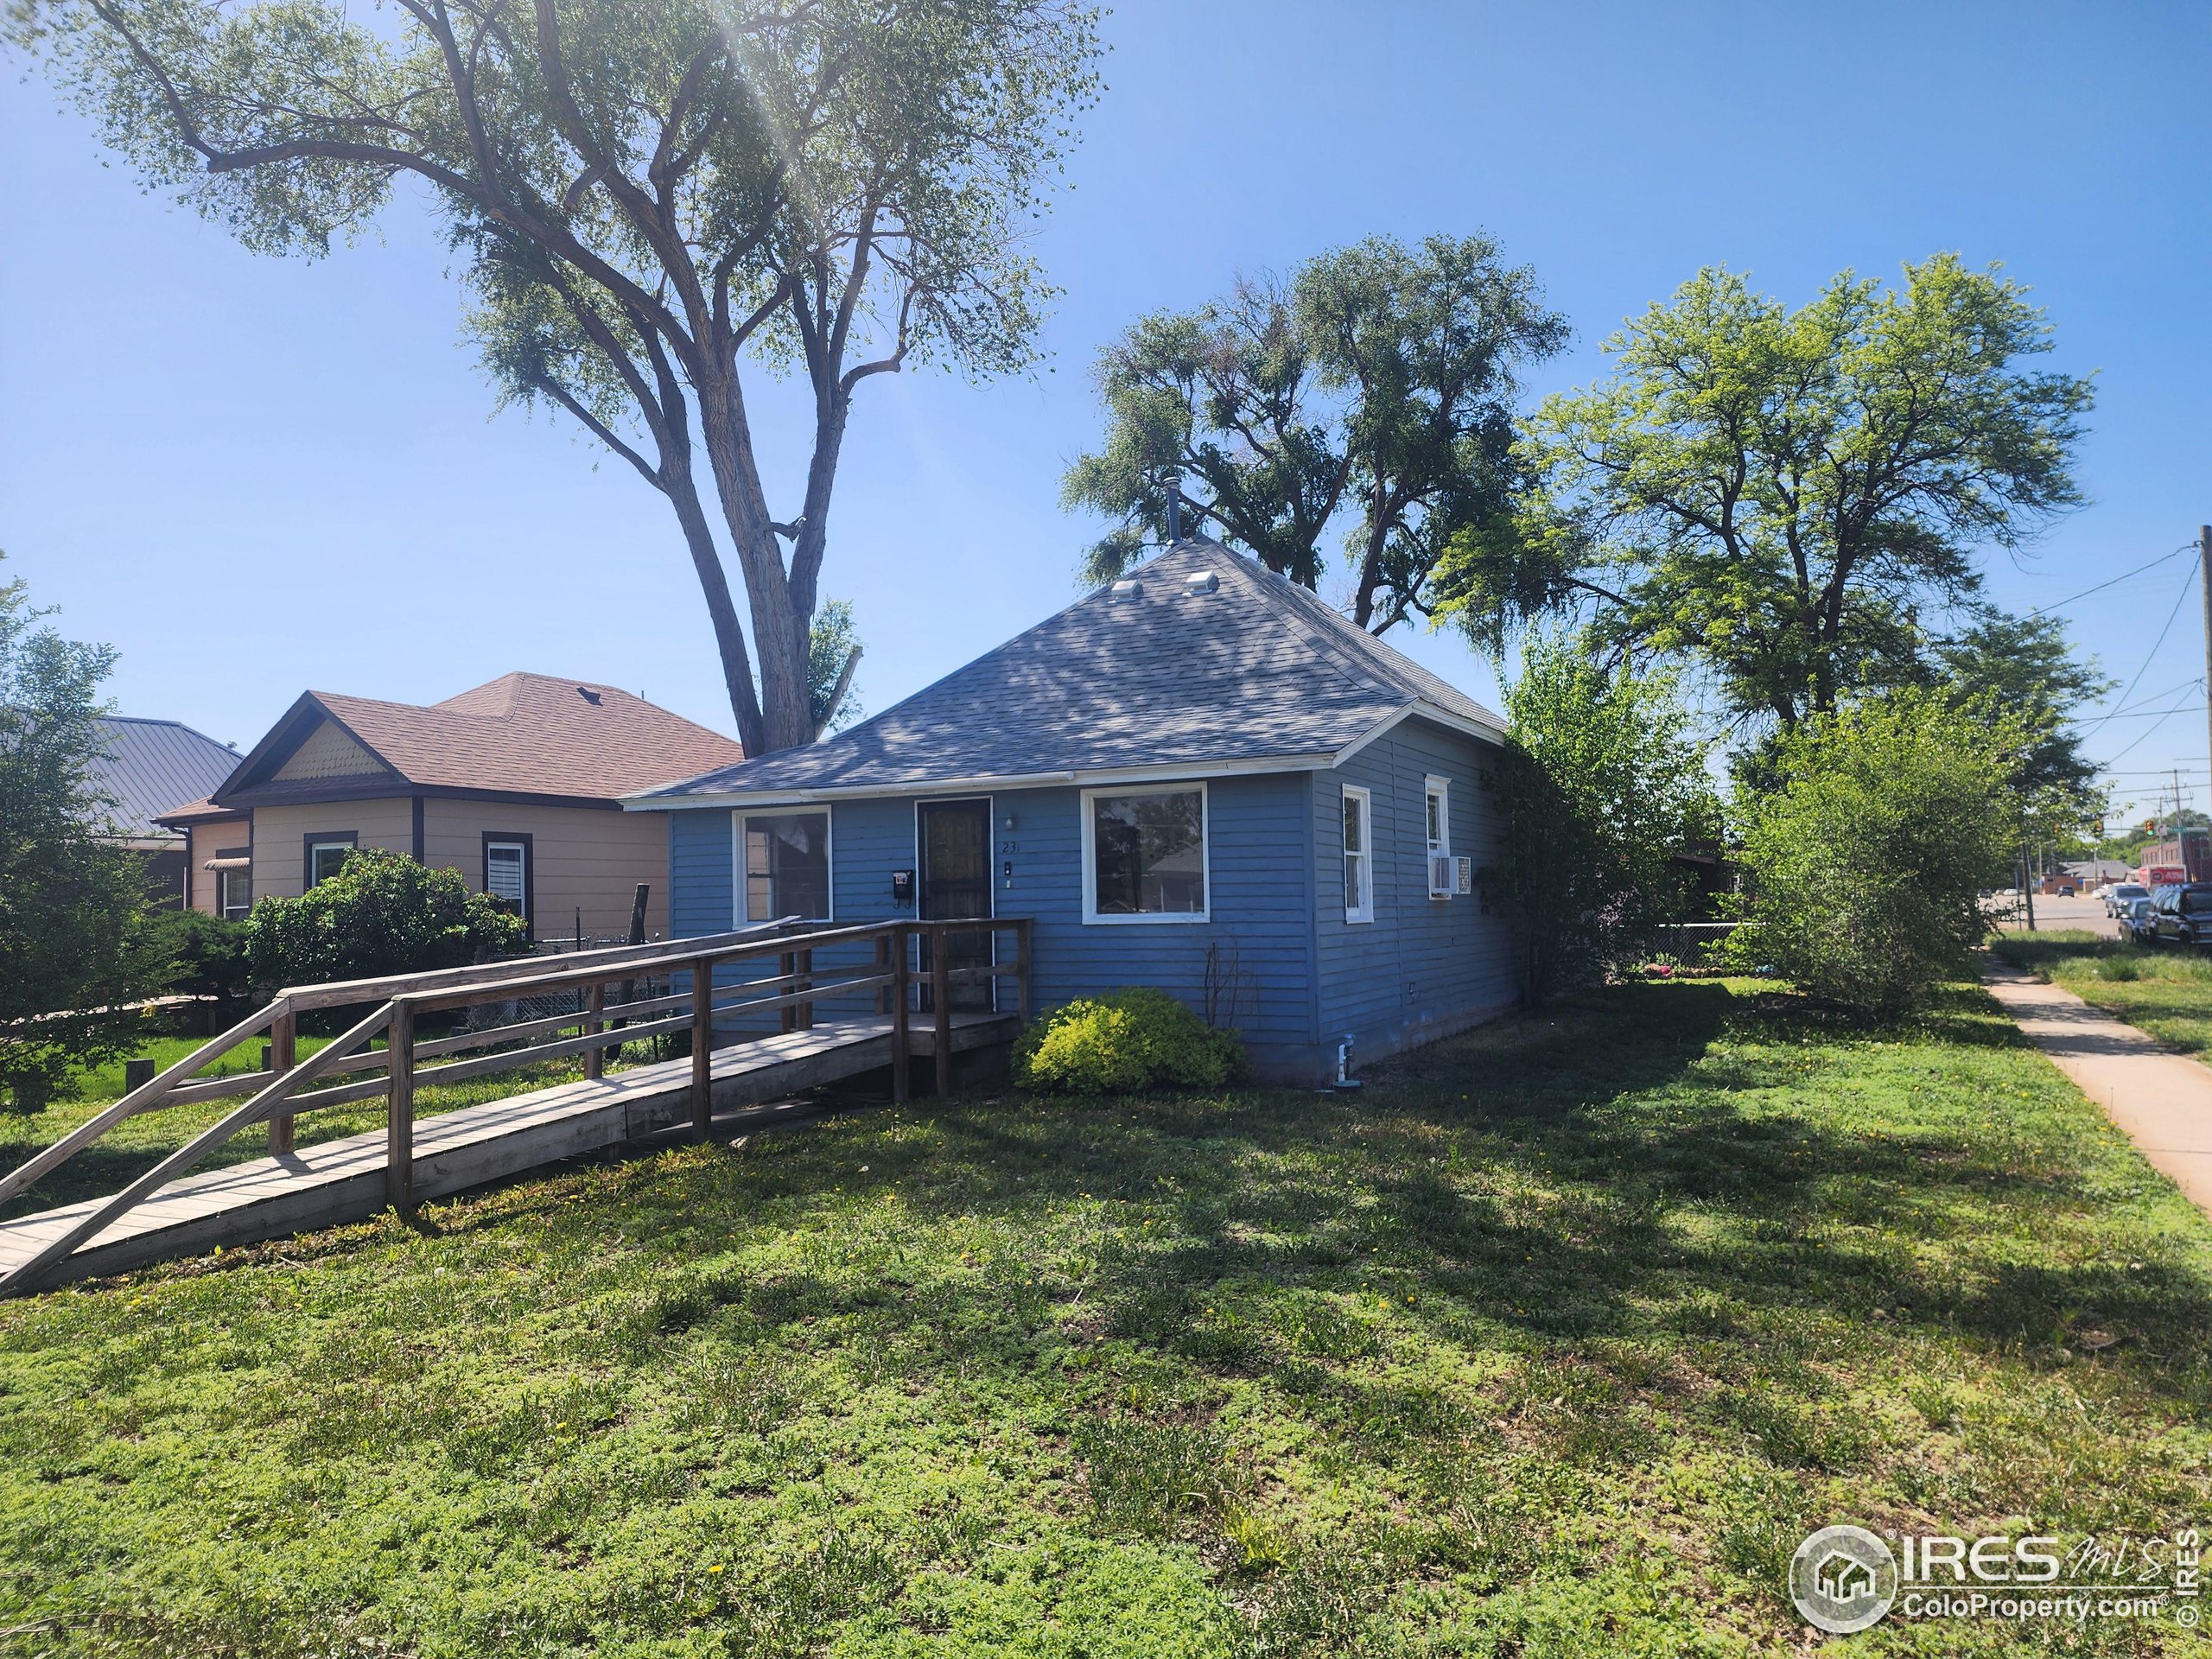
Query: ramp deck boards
343,1180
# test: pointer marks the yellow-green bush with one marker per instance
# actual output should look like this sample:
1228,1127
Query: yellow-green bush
1125,1040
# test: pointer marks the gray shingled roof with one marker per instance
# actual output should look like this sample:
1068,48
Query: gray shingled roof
1258,670
150,766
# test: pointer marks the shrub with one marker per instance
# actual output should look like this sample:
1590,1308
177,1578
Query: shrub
382,914
206,955
1865,862
1600,785
1129,1040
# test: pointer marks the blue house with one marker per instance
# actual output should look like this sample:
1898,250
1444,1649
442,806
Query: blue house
1202,778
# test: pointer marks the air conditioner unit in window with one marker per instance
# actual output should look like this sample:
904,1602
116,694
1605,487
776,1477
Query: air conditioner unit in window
1449,877
1463,876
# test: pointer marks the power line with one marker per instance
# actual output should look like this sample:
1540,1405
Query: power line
2147,661
2147,730
2153,696
2146,713
2061,604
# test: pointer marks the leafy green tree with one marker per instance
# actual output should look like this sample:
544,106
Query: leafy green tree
74,943
833,658
1772,495
1602,782
382,914
640,197
1865,865
2023,668
1371,393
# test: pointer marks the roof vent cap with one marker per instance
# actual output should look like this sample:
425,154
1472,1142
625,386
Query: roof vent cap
1126,590
588,694
1201,582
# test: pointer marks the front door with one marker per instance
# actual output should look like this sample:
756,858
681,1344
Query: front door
956,882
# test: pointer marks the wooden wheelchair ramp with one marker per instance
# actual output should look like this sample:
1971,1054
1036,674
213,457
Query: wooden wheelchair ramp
344,1181
905,998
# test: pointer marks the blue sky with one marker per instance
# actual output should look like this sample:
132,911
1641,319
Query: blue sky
254,475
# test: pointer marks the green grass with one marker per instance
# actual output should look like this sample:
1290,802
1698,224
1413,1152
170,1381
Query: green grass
1554,1342
2166,990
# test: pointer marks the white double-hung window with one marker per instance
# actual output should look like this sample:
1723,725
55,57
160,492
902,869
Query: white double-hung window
1438,791
1359,860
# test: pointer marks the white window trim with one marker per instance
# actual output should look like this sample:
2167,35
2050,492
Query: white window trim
522,864
316,847
1362,913
1090,916
1438,789
737,856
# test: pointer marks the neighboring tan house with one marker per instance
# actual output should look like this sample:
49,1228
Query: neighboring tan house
142,767
517,784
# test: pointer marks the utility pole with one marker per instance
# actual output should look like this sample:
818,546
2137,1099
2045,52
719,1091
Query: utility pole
2204,577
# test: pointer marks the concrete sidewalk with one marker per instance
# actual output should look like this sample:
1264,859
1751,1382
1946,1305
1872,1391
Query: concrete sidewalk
2160,1100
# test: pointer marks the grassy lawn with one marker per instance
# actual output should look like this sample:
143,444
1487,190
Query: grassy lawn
1555,1341
2167,991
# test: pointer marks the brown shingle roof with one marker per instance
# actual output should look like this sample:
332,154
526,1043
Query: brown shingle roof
526,734
199,811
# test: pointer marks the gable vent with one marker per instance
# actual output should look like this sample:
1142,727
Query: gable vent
1201,582
1128,590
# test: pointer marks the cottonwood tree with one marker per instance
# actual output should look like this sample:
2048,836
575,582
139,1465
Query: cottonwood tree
1371,394
642,199
1776,496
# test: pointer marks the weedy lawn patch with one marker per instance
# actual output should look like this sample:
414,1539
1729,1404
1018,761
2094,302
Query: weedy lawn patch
1554,1342
2166,990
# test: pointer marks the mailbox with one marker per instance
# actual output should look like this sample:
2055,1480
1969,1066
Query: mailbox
902,887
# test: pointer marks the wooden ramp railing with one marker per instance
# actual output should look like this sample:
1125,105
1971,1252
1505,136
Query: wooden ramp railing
882,962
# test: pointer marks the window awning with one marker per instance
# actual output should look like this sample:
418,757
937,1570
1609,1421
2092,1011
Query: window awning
241,862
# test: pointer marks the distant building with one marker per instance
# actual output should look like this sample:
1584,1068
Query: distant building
517,784
145,766
2095,871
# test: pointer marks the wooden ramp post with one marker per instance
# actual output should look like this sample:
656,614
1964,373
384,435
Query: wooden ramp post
901,995
284,1044
941,1001
702,1044
399,1106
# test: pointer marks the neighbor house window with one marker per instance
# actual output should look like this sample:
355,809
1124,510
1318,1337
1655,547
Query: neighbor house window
785,859
234,888
1359,864
1144,855
1438,793
326,856
506,872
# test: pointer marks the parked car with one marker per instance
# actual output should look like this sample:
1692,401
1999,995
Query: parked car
2182,915
2137,926
2121,894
